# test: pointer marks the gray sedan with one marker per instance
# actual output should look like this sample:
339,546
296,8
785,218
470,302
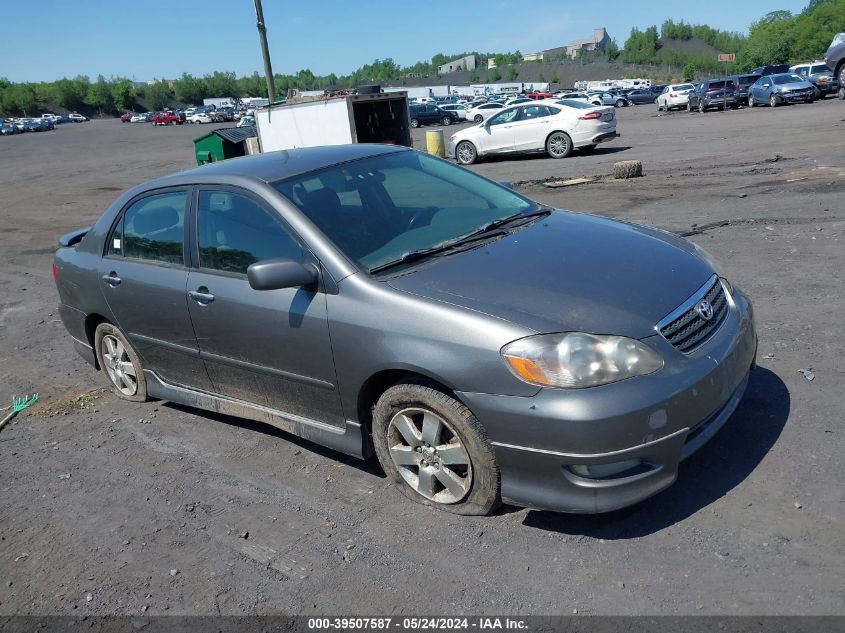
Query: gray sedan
375,299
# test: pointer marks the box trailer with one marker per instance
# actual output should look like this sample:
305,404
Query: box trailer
362,118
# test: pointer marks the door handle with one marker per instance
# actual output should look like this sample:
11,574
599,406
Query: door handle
112,279
201,296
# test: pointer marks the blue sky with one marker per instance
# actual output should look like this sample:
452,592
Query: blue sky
166,38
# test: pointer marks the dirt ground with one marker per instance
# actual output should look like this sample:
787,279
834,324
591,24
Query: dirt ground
108,507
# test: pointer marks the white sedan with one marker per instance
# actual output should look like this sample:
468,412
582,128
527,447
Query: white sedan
459,109
199,117
674,96
139,118
553,126
483,111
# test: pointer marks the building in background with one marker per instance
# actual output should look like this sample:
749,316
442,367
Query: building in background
598,42
464,63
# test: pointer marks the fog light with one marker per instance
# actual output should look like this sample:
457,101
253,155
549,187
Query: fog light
605,471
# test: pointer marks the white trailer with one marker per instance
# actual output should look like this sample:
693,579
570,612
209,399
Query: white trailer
219,102
364,118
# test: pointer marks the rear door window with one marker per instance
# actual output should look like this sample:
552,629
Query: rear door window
152,229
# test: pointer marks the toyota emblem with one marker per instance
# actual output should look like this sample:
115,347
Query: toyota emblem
704,309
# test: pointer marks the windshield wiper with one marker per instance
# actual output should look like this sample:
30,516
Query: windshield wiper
495,224
445,247
489,230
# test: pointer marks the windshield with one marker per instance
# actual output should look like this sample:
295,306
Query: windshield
378,209
786,79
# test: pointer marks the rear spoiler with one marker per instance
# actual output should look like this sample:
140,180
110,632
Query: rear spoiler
74,237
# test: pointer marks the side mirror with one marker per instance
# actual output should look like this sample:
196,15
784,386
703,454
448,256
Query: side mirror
275,274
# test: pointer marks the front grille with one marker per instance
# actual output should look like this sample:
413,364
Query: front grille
685,328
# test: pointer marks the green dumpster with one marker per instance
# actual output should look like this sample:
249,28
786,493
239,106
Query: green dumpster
223,143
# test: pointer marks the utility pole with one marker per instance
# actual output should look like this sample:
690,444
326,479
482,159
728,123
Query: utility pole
265,52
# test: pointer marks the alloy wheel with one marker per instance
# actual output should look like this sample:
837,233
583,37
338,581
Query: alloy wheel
429,455
558,145
119,366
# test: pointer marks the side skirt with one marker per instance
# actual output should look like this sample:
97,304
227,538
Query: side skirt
349,440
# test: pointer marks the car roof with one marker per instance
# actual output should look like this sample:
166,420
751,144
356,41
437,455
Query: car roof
274,166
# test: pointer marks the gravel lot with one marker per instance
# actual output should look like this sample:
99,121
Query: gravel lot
110,507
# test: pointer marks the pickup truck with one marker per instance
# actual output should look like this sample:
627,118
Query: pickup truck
167,118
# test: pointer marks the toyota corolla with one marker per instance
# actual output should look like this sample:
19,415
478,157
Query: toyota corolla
375,299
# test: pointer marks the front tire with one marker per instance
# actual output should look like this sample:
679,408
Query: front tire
559,145
773,101
415,123
120,363
436,450
751,102
465,153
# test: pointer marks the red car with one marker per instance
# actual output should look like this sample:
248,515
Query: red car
124,118
539,95
167,118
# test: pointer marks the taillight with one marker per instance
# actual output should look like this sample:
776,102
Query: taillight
55,273
590,116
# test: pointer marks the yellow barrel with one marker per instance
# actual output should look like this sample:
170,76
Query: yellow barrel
434,143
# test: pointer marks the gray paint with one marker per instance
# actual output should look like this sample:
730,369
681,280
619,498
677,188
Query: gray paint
301,358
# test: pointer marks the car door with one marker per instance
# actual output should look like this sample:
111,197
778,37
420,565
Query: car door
531,127
498,133
267,347
143,277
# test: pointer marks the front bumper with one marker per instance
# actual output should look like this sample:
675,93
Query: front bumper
655,420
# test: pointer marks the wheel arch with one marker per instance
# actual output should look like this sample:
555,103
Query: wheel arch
374,386
92,322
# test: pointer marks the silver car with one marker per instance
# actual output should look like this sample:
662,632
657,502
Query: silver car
375,299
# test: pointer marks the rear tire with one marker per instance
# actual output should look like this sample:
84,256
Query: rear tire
559,145
478,118
415,123
446,120
120,363
436,450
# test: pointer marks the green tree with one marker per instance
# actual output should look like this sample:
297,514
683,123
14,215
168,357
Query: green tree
555,79
19,98
473,77
157,95
123,94
71,93
221,84
99,96
494,75
612,51
689,72
189,89
513,73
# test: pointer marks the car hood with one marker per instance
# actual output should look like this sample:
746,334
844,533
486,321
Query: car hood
795,85
568,272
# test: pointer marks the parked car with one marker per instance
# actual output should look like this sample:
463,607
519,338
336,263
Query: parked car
609,98
428,113
77,118
458,109
674,96
779,89
713,93
246,121
772,69
639,96
483,111
278,290
818,74
126,117
574,96
167,118
517,100
741,85
835,59
200,117
7,129
46,124
226,113
539,96
541,126
140,118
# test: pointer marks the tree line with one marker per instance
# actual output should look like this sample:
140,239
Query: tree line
778,37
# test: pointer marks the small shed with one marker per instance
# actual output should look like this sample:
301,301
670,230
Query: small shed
223,143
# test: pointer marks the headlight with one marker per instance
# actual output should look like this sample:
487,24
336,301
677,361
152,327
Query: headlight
575,360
